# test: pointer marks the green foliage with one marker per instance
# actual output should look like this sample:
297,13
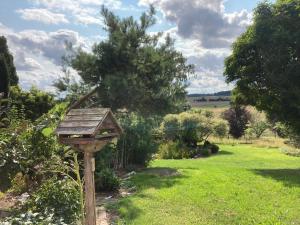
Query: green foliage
137,144
68,89
265,62
19,184
171,126
238,118
190,127
9,61
205,151
135,64
212,148
43,218
61,196
174,150
106,180
257,128
34,102
4,77
281,130
26,147
221,129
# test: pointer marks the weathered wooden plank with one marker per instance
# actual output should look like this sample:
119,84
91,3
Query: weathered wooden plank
95,111
83,118
106,135
88,123
75,131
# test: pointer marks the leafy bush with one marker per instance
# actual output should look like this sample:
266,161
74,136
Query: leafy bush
175,150
137,144
34,102
221,128
106,180
192,127
281,130
170,126
257,128
25,146
169,150
205,152
19,183
214,149
43,218
238,118
59,196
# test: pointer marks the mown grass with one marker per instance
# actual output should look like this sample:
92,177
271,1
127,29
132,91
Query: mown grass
242,185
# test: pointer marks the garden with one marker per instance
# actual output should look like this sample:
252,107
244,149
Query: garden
172,163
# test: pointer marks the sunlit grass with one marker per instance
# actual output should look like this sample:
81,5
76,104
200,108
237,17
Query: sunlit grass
242,185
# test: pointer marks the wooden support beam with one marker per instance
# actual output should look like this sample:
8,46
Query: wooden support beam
90,202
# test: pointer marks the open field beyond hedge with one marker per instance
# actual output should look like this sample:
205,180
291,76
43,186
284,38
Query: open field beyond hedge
241,185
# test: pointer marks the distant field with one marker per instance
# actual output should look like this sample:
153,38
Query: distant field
209,101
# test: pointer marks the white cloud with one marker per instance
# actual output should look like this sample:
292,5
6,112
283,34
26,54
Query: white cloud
203,20
204,33
81,11
37,54
42,15
87,19
206,83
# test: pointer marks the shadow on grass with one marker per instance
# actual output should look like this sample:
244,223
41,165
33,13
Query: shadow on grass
289,177
222,152
148,179
157,177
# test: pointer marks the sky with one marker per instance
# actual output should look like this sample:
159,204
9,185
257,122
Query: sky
204,30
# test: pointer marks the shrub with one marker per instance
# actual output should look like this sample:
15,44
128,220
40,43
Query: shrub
221,128
37,218
19,183
188,127
106,180
205,151
35,102
175,150
214,149
281,130
257,128
170,126
238,118
137,144
169,150
59,196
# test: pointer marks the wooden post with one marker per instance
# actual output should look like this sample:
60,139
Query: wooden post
89,183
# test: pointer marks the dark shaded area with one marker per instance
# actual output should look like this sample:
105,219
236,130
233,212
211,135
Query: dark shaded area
289,177
222,152
161,171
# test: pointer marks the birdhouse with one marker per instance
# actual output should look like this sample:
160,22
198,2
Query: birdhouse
88,130
88,127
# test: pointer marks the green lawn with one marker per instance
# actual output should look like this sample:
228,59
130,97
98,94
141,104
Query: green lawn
242,185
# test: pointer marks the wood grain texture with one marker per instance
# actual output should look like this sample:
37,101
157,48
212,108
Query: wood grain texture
90,202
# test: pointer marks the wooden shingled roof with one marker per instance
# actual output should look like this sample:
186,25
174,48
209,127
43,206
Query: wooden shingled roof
88,123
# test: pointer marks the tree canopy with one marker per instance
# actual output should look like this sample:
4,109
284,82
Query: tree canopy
34,102
4,84
134,69
265,62
10,77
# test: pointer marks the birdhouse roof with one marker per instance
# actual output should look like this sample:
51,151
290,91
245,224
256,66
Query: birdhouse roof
88,122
